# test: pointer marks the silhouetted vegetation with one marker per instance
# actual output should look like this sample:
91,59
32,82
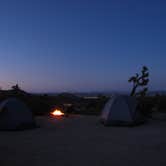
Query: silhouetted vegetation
42,104
140,81
16,87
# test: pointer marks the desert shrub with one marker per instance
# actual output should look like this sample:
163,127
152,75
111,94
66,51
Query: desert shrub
92,106
146,105
161,103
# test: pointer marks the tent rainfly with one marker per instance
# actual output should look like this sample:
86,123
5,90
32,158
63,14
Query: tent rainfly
121,110
14,115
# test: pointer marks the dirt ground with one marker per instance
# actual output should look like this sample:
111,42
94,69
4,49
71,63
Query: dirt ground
83,141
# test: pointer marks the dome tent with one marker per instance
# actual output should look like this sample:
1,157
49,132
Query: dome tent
14,115
121,110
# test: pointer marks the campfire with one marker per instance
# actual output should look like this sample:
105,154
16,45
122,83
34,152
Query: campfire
57,112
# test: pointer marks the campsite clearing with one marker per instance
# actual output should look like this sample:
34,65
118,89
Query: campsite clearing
82,140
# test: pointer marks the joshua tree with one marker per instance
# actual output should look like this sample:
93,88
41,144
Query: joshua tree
16,87
140,81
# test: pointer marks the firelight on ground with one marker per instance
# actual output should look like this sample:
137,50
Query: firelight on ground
57,113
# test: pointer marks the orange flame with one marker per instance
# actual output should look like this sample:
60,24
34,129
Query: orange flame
57,113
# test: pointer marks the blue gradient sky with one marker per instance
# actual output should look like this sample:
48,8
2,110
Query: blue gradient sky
81,45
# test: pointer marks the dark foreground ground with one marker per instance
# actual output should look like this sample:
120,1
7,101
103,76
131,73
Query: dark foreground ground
82,141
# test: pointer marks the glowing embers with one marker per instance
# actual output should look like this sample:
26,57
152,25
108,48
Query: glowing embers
57,112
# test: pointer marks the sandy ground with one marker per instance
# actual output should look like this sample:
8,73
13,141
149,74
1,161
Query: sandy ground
82,140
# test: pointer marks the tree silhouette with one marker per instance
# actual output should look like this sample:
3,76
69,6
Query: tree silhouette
16,87
140,81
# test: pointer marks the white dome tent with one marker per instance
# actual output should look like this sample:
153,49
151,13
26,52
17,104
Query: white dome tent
14,115
121,110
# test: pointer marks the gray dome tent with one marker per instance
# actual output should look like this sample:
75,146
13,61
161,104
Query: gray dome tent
121,110
14,115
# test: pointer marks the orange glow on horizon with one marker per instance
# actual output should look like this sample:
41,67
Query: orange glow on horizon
57,113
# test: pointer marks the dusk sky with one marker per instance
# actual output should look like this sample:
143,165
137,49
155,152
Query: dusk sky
81,45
